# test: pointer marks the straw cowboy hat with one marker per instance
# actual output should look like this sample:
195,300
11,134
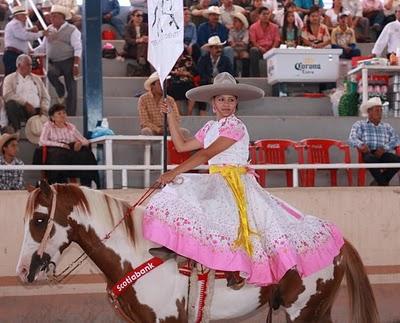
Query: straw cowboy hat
152,78
224,84
242,18
34,126
62,10
213,41
18,10
373,102
6,137
212,10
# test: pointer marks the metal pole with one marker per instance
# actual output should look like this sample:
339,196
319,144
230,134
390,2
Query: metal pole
165,129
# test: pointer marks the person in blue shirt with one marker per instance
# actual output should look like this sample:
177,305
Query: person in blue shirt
110,15
376,141
303,6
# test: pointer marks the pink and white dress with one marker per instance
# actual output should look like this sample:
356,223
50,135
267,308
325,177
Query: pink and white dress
198,219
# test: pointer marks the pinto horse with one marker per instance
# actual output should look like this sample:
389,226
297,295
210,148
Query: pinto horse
85,216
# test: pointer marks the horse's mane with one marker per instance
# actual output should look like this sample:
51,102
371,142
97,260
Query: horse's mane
104,208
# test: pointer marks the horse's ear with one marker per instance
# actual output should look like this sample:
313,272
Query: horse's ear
30,188
45,188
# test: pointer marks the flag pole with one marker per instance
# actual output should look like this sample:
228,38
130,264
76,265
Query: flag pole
165,130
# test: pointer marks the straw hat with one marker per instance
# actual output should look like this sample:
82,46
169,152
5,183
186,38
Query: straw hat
213,41
62,10
213,9
152,78
6,137
34,126
373,102
18,10
242,18
224,84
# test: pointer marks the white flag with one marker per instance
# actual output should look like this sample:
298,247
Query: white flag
165,35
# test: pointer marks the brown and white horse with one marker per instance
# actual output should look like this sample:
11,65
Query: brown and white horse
85,216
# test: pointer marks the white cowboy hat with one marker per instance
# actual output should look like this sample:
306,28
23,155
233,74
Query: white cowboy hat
373,102
152,78
213,9
62,10
242,18
213,41
34,127
18,10
224,84
6,137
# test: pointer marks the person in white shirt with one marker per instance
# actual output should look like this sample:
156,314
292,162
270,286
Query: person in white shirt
390,37
279,15
228,9
17,38
24,93
64,49
388,10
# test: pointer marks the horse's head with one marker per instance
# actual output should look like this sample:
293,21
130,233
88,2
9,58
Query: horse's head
47,229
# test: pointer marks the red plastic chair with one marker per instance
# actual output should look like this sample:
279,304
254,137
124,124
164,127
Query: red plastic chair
273,151
317,152
108,34
174,157
362,172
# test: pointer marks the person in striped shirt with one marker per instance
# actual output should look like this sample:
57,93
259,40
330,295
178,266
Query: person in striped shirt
376,140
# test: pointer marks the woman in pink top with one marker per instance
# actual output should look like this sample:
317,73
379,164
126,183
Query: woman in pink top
62,144
314,33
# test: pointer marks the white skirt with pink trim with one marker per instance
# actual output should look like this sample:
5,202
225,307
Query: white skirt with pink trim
198,219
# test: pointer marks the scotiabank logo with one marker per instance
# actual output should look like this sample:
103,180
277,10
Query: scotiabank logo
130,279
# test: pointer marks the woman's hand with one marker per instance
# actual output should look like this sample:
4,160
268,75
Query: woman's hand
77,146
167,177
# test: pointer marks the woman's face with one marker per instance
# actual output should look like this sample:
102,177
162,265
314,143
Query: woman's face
257,3
314,18
224,105
137,17
290,18
59,117
186,16
337,3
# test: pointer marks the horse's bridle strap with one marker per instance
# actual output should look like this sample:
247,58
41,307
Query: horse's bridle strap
50,223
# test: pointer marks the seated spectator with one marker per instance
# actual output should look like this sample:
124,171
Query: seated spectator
149,107
214,28
280,14
140,5
304,6
376,140
190,35
272,5
228,9
356,19
182,80
343,37
3,9
211,64
290,34
389,7
373,10
264,35
24,93
239,40
314,33
62,144
245,4
136,41
10,179
110,15
390,37
254,14
332,15
199,12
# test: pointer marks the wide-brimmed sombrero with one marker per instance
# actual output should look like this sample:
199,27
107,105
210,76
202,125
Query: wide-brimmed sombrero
225,84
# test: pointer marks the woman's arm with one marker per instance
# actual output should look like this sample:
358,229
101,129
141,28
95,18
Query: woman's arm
199,158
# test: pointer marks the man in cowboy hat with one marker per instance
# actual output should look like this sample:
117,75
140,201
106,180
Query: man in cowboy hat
376,141
64,50
228,9
24,93
10,179
149,107
17,38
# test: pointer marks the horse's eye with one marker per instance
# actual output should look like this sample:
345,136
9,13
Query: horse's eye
39,221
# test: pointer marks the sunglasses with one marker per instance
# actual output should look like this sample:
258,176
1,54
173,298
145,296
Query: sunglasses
138,15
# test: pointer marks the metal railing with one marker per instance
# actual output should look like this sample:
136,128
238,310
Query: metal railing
125,168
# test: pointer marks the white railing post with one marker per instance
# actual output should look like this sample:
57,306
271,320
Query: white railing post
295,177
124,179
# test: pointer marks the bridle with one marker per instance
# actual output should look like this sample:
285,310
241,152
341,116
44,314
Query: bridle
58,278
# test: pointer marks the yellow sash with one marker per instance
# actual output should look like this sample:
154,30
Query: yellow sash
232,176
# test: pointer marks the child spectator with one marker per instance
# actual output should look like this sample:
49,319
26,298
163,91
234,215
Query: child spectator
290,33
344,37
239,40
10,179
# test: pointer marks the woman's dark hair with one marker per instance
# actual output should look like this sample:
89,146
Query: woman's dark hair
55,108
312,10
333,5
261,9
285,26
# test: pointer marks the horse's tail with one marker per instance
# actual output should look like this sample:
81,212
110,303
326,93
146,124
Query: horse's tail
362,301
